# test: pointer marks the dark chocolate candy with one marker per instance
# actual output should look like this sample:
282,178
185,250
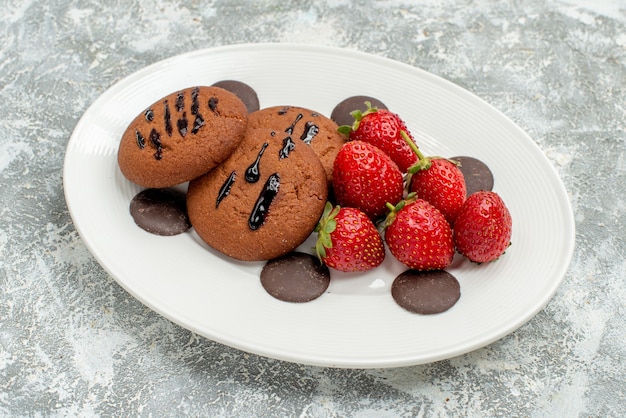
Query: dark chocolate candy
341,113
477,175
160,211
245,93
295,277
426,292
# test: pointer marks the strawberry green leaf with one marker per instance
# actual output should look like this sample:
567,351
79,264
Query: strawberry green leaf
344,129
357,115
320,250
330,226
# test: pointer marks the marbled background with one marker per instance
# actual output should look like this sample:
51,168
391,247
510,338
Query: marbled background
73,343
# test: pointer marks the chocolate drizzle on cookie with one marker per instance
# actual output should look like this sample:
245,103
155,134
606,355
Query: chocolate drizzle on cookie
141,141
225,189
197,124
252,173
195,110
262,205
180,101
290,129
195,103
167,119
213,104
288,146
183,125
310,130
155,140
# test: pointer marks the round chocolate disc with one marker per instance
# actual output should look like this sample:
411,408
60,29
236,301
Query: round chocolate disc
295,277
160,211
245,93
341,113
426,292
477,175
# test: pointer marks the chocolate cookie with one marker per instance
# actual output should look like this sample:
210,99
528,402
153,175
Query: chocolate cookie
426,292
303,125
295,277
263,201
160,211
477,174
182,136
242,90
342,113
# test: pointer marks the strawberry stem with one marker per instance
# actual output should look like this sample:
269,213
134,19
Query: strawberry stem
394,209
411,144
423,163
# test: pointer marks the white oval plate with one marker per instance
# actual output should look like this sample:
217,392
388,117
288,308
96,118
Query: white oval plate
356,323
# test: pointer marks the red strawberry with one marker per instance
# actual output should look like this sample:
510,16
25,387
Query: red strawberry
365,178
441,184
419,236
382,128
482,231
348,240
438,181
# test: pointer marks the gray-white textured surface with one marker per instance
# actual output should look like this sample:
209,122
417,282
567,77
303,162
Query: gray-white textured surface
72,342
